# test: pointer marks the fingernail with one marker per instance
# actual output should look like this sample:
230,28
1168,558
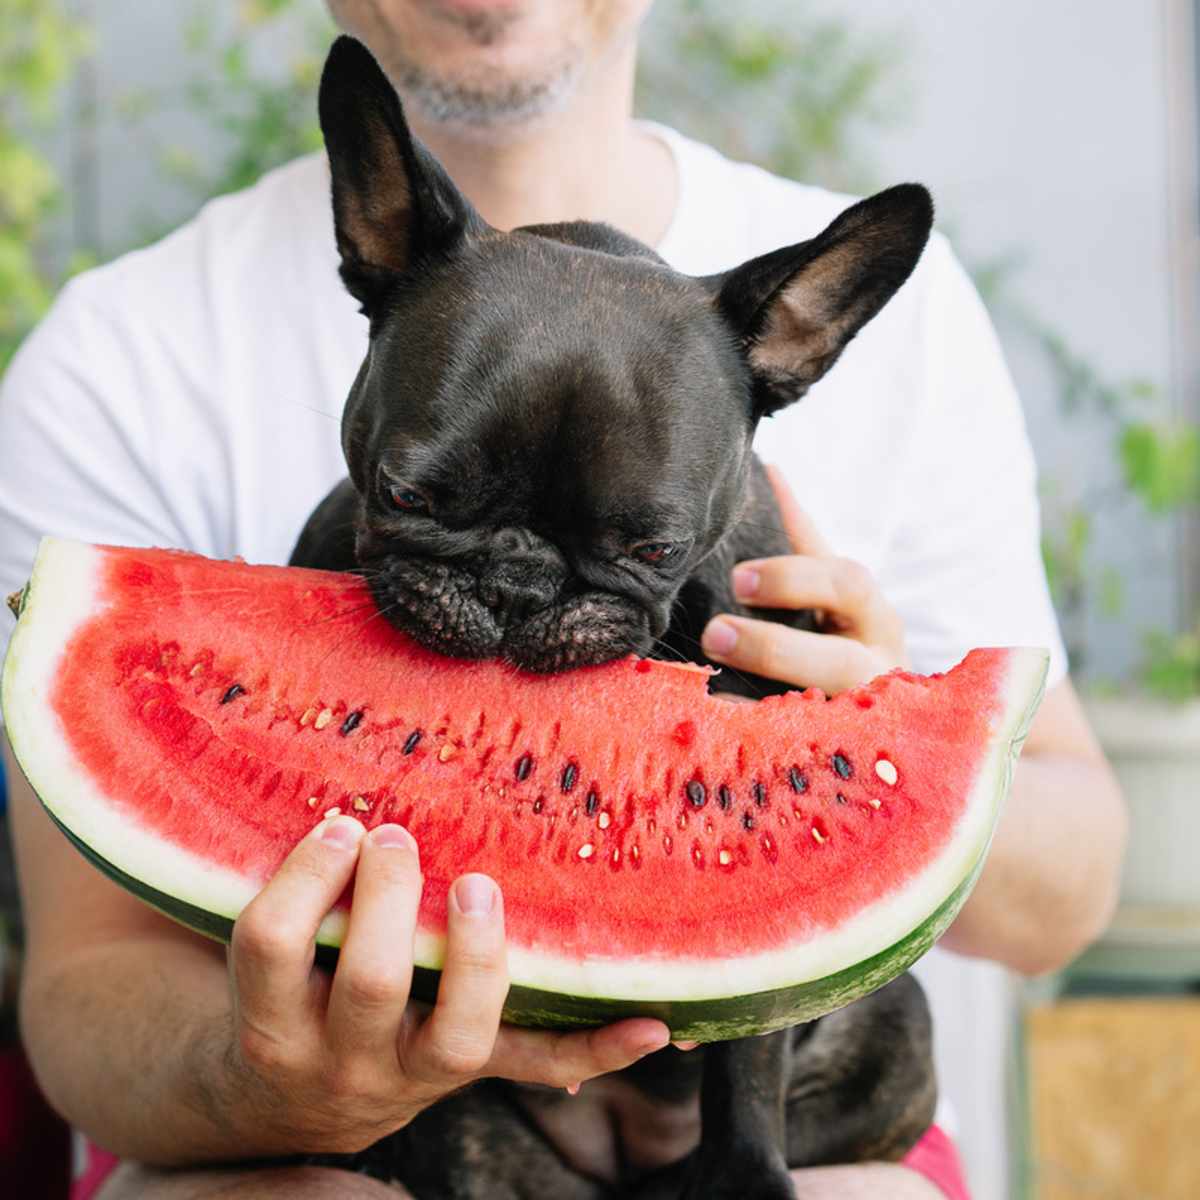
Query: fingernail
573,1089
746,581
654,1041
343,832
720,637
685,1045
475,895
393,837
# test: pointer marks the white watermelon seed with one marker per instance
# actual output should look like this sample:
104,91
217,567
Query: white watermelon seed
197,669
323,718
875,803
313,802
360,804
446,753
586,850
887,772
725,858
818,836
307,716
330,813
604,820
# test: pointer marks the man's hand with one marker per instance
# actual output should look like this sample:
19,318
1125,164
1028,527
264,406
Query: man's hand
864,638
340,1061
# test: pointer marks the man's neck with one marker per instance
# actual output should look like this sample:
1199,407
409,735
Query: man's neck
588,161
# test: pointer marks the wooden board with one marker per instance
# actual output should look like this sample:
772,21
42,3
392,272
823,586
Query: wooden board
1115,1099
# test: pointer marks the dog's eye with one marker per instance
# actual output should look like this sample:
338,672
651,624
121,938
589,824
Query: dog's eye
655,552
406,500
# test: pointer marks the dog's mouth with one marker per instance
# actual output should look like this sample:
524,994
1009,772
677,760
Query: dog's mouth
444,608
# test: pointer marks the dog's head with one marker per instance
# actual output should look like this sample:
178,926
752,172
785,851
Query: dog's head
551,427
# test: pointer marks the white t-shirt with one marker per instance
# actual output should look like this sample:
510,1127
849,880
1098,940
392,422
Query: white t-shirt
188,395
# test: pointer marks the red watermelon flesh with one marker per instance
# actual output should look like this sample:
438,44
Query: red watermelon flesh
652,841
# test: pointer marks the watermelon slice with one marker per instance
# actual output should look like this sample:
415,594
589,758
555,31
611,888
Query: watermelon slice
729,868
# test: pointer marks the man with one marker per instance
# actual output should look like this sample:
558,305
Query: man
183,396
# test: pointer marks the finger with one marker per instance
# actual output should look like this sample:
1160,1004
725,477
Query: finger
803,534
826,661
841,588
273,944
457,1040
374,970
561,1059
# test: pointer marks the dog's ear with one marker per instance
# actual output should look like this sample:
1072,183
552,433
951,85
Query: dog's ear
795,310
393,204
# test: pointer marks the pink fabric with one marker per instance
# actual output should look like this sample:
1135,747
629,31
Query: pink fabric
98,1165
936,1157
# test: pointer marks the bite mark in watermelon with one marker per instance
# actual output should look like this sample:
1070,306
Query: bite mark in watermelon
729,868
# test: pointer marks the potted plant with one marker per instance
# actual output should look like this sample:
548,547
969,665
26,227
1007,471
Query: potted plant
1148,723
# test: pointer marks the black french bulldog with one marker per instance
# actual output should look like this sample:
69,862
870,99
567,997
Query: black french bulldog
549,445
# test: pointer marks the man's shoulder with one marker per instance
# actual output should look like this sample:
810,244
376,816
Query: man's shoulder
732,210
275,227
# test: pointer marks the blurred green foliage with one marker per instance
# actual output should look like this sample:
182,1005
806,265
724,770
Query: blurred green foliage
795,93
1156,465
1172,665
39,46
264,119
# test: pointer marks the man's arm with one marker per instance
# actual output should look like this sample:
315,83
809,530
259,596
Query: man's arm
143,1039
117,1002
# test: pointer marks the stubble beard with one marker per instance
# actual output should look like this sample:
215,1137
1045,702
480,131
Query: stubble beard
488,100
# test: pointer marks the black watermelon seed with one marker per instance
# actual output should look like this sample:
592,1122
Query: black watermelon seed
410,742
352,722
747,820
569,775
234,692
538,804
524,766
724,797
592,803
798,780
842,766
760,794
840,798
696,793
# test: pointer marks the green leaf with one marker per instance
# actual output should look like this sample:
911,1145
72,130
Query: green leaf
1171,667
1161,464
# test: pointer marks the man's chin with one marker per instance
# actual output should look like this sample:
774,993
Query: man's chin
488,94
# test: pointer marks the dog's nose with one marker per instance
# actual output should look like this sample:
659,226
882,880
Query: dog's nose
517,588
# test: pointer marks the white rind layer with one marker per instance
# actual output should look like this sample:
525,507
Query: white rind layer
67,573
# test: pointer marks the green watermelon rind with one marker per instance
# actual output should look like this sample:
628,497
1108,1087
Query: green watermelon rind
571,1000
707,1020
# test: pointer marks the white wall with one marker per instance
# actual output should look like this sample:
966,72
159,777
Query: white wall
1041,128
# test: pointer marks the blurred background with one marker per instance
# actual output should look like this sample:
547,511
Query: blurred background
1061,142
